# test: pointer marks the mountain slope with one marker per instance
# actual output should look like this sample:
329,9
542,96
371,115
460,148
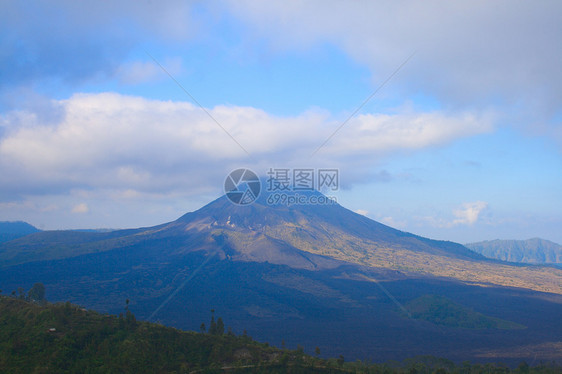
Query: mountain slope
310,275
13,230
533,251
48,245
350,310
301,236
338,233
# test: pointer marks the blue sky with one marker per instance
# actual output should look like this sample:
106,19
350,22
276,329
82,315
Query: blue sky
463,143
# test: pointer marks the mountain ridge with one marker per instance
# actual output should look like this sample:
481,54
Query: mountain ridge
533,251
10,230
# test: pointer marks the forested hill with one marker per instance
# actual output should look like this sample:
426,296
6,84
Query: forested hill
64,338
59,338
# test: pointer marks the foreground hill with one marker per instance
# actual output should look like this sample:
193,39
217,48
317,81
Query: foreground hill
64,338
533,251
316,276
13,230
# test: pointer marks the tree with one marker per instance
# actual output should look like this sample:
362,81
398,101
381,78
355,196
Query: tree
130,319
21,293
203,328
37,293
213,326
523,367
220,327
299,358
67,308
317,351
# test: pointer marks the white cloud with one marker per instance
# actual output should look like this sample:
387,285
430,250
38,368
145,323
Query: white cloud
466,215
469,212
115,142
81,208
362,212
381,133
469,54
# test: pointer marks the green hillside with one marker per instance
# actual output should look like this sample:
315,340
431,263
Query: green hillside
442,311
64,338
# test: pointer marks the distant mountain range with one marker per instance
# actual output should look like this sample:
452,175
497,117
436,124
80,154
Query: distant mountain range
533,251
314,275
13,230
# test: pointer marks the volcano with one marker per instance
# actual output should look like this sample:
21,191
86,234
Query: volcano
310,275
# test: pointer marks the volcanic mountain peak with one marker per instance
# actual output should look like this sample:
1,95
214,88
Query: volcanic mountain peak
265,232
326,229
300,236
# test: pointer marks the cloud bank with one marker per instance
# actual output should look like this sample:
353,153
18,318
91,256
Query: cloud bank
466,50
126,143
